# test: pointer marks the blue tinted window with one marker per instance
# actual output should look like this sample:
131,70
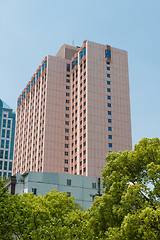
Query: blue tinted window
9,124
108,68
10,166
108,82
2,143
109,97
110,145
1,153
109,112
5,165
4,175
9,174
6,154
68,68
109,128
109,136
4,122
3,132
109,104
1,164
8,133
7,144
108,75
108,54
109,120
108,90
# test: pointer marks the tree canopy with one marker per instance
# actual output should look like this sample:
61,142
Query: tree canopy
128,209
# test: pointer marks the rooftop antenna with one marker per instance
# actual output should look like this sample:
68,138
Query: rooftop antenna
73,40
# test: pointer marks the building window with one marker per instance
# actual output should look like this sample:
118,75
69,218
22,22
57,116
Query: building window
108,68
84,169
1,164
109,128
107,54
109,97
109,120
67,101
108,75
65,169
66,130
6,154
67,115
66,137
1,153
4,122
109,136
5,165
109,104
9,174
10,166
67,94
67,108
7,144
109,113
9,124
68,182
109,145
2,143
66,145
66,153
4,175
108,83
34,190
66,122
80,172
67,87
93,185
69,194
66,161
8,133
3,133
108,90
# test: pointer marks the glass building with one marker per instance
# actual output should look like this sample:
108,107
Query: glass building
7,131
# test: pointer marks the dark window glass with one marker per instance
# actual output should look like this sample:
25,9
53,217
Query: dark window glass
4,122
68,67
3,132
10,166
110,145
109,128
5,165
9,124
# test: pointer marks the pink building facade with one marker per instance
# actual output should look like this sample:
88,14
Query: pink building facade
75,110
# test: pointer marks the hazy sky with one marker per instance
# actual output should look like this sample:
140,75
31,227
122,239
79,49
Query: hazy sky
32,29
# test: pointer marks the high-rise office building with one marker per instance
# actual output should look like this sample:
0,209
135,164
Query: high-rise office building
75,110
7,131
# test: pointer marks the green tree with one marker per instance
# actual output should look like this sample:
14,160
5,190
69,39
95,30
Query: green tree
131,182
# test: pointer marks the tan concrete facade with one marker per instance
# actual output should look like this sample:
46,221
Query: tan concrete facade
69,120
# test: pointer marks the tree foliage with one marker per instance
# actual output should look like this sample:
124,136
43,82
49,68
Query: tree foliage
128,209
131,198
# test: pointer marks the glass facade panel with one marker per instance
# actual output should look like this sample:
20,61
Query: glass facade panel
9,124
3,133
8,133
